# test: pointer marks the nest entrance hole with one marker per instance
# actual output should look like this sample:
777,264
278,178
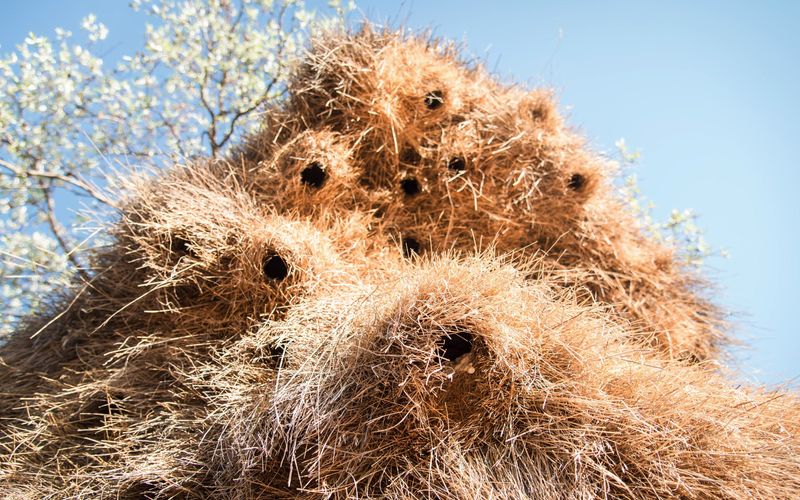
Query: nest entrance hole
576,182
410,186
181,246
457,164
275,267
434,99
411,246
410,156
276,352
453,346
539,112
313,175
109,407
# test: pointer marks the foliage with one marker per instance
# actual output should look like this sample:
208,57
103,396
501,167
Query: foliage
69,120
205,70
680,230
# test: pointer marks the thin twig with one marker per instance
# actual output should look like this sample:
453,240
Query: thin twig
56,228
212,131
239,114
68,178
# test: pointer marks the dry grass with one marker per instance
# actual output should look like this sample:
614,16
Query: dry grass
414,281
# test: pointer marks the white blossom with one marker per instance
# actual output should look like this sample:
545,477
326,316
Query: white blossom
195,87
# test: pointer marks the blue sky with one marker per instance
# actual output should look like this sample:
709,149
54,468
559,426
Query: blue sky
708,92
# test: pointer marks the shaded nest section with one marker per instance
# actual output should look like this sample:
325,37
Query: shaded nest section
313,175
412,281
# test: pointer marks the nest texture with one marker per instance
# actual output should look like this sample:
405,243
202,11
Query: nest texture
413,281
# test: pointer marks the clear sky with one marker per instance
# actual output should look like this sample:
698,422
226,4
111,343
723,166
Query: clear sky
709,92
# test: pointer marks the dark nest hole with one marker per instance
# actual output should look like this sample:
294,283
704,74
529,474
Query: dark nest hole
539,113
434,99
457,164
275,267
276,352
109,407
411,246
410,156
181,246
454,345
91,416
313,175
186,292
576,182
410,186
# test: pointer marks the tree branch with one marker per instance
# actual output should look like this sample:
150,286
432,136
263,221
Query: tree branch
67,178
212,131
239,114
171,128
56,228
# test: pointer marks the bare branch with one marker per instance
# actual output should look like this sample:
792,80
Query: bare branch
57,229
67,178
174,133
212,131
239,114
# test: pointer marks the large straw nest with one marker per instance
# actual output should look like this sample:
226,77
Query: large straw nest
413,281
